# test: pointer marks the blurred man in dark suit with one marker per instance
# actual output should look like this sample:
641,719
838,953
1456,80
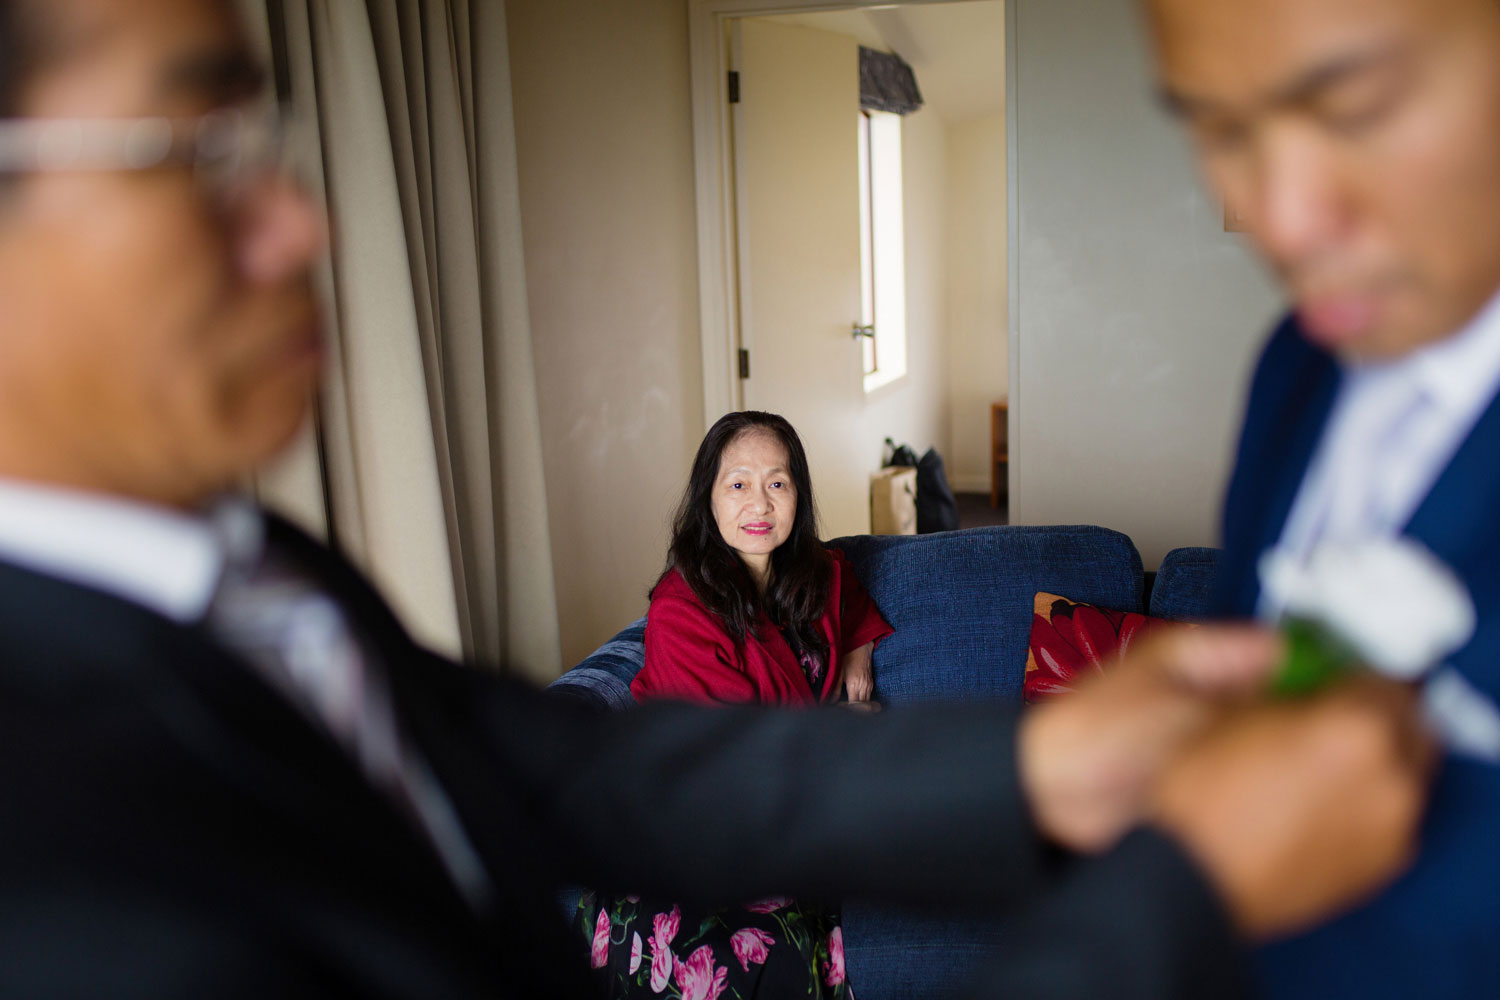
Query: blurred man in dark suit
227,771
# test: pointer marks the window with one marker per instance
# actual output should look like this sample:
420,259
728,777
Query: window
882,248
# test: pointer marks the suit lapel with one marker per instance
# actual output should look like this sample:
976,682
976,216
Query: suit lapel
71,643
1283,429
433,698
1459,521
1298,430
1461,511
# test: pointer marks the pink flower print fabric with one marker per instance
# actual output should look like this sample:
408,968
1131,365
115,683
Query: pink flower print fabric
599,953
833,971
664,929
770,948
697,977
770,905
750,944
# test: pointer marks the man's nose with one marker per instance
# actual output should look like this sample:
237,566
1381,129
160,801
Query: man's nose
282,230
1300,205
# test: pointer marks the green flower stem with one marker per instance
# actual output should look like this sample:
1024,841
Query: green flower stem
1315,657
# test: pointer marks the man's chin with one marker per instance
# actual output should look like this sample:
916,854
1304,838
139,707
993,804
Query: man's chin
1364,337
1387,345
271,433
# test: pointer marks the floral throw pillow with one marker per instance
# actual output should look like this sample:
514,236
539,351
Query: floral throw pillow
1070,641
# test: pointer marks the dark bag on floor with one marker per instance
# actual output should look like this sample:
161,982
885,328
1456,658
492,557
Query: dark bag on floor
936,508
903,455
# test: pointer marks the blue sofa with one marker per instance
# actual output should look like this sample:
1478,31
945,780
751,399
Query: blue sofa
961,604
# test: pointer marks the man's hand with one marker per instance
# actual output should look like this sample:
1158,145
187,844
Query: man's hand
857,676
1089,760
1298,809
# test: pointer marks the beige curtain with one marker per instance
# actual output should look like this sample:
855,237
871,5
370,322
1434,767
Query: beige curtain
425,465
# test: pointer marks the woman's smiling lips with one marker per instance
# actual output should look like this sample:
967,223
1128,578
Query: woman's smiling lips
757,528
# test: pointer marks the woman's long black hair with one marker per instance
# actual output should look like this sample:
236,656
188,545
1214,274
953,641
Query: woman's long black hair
797,591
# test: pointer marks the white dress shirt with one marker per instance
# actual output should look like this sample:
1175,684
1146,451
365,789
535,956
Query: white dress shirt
1393,429
165,560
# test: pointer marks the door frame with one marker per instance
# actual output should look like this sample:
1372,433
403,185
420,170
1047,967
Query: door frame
714,182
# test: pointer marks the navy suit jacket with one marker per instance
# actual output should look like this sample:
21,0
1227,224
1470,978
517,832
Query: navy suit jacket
1436,931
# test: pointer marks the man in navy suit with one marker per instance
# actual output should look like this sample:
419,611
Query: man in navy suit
1360,141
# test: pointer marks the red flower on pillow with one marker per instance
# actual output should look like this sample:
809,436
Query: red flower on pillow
1070,641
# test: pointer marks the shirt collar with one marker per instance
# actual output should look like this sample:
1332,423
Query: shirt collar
1460,373
166,560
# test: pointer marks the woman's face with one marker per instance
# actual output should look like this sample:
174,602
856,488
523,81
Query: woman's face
754,498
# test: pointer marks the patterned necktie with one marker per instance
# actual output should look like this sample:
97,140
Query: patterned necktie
275,614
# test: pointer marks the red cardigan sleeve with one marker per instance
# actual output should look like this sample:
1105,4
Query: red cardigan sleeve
860,620
689,657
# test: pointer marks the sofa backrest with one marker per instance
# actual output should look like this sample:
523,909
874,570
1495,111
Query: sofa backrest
961,601
1185,585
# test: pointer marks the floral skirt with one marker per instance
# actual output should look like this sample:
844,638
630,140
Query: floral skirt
776,948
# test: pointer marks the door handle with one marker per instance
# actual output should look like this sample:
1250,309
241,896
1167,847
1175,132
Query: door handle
864,331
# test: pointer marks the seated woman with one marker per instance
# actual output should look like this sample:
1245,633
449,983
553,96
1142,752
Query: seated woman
752,607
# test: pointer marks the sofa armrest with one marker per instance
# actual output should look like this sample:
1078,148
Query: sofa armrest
604,676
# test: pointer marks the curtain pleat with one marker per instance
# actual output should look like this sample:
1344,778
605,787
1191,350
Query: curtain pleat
430,457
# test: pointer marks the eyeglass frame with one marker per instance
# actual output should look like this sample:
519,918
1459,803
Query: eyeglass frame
223,147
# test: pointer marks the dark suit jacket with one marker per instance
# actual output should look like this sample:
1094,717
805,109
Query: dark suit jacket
1434,933
170,826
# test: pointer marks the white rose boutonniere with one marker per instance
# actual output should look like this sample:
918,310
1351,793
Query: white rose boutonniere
1386,604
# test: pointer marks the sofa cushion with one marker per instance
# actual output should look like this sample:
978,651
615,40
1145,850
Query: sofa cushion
961,601
912,955
1185,584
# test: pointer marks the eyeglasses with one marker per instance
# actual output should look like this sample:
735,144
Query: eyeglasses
225,149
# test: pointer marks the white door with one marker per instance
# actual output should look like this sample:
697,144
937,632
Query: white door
796,133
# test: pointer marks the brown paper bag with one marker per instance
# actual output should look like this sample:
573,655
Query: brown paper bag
893,501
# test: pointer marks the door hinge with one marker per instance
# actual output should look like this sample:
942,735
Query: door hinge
744,363
734,87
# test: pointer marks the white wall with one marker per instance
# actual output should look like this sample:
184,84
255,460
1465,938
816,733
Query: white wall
1138,316
604,148
914,409
979,372
604,144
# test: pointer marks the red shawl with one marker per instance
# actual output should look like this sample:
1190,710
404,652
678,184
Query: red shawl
690,657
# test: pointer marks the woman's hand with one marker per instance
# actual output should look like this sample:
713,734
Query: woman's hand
857,676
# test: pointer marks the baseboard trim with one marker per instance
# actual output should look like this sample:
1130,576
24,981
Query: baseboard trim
970,484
